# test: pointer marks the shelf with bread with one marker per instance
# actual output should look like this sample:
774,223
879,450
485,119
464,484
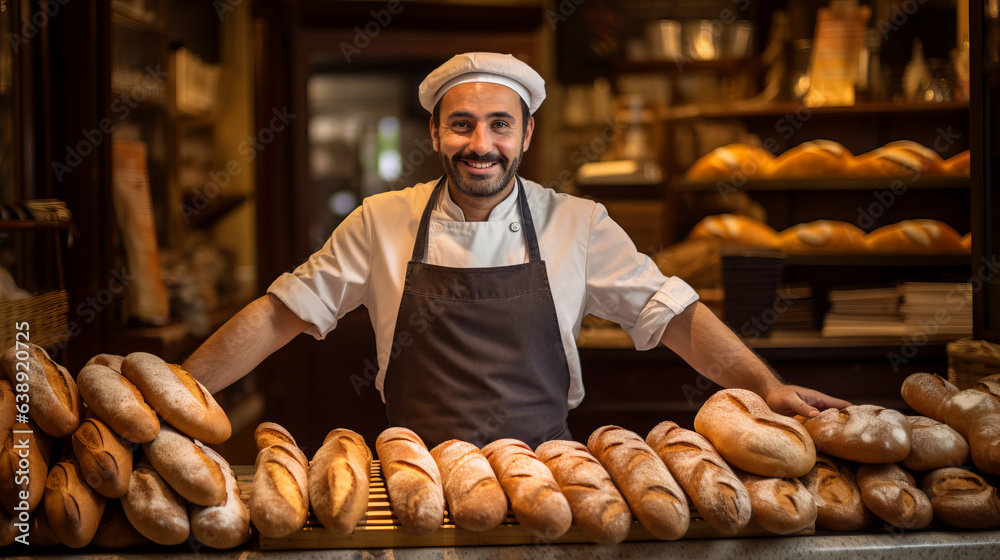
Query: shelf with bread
751,108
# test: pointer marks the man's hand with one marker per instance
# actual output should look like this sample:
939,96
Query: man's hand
793,399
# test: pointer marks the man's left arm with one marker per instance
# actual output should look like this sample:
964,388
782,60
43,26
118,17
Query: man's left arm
712,349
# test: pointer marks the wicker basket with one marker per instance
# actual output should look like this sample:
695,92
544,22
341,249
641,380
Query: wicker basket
45,314
970,360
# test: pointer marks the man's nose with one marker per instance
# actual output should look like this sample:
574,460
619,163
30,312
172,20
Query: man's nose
480,143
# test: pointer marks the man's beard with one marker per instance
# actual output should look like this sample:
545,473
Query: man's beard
480,186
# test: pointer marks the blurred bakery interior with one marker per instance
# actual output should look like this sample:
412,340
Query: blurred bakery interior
820,171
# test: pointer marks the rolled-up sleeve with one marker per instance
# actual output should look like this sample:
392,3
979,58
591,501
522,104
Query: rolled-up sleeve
625,286
332,282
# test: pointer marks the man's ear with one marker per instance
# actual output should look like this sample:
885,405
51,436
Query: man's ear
434,136
528,129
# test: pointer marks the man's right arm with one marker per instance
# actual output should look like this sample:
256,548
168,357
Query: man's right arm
240,345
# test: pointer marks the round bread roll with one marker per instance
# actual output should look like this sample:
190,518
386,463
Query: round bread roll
412,480
72,507
984,440
24,438
733,161
105,459
927,393
833,484
886,163
154,509
962,498
931,162
226,525
115,530
780,505
52,392
8,408
598,507
966,410
339,481
751,437
959,164
187,467
935,446
915,236
823,236
816,158
736,230
892,495
113,361
863,433
475,498
180,399
118,402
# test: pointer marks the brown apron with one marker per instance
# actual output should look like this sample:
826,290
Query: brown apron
480,355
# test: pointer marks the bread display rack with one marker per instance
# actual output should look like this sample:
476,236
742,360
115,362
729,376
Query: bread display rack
380,528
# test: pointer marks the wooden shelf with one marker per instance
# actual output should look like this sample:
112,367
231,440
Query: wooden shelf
854,259
753,108
35,224
820,184
729,65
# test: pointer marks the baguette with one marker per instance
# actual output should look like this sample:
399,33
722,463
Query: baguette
37,443
113,361
927,394
412,480
780,505
105,459
538,504
935,445
118,402
72,507
226,525
8,408
279,497
55,400
153,508
648,487
339,481
186,466
891,494
717,493
863,433
962,498
180,399
475,499
115,530
598,507
834,486
751,437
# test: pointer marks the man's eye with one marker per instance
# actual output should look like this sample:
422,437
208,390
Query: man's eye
501,124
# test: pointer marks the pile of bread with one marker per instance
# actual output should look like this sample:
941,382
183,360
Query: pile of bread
831,236
82,485
843,470
825,159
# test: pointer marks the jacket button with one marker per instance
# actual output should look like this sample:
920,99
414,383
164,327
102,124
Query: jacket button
515,227
436,226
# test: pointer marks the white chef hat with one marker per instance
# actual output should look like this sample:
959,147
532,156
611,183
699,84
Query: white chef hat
494,68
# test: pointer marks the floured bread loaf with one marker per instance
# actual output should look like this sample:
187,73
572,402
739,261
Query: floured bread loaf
864,433
475,498
892,495
962,498
823,236
731,162
833,484
935,445
538,504
279,496
915,236
412,480
816,158
736,230
927,393
780,505
339,480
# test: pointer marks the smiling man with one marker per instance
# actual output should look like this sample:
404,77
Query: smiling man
477,284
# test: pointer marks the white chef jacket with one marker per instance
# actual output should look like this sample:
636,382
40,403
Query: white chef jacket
592,264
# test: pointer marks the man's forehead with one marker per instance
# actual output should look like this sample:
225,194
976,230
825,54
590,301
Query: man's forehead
481,98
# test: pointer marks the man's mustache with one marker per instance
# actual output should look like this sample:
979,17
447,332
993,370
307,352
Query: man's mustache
489,158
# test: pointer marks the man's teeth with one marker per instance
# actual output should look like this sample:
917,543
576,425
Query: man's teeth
480,164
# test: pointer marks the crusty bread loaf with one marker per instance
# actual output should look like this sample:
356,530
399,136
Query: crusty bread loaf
225,525
966,409
930,161
42,533
935,445
8,408
655,498
339,476
179,398
733,229
105,459
816,158
891,494
736,161
823,236
959,164
153,508
186,467
915,236
475,498
55,401
598,507
72,507
962,498
115,531
927,393
538,504
864,433
984,441
885,163
751,437
720,497
833,484
118,402
279,496
412,480
24,438
780,505
113,361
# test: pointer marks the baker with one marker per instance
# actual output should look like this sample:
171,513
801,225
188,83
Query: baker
486,277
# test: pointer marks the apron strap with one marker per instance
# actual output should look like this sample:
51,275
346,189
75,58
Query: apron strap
530,237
